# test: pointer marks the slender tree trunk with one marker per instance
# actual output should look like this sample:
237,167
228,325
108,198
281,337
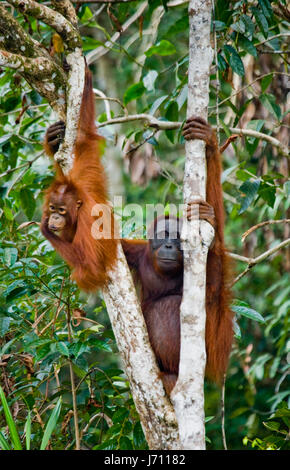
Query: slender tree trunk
155,410
188,395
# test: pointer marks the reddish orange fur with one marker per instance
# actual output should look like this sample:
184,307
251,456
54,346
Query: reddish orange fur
219,328
167,292
89,258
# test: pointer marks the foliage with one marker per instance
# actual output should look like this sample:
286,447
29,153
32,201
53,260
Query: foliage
48,328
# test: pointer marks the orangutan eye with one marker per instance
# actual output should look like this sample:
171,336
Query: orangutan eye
51,207
62,210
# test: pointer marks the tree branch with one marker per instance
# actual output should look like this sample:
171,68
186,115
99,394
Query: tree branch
260,135
262,224
32,61
38,71
52,18
281,11
272,37
15,39
258,79
100,51
166,125
150,120
75,85
66,8
253,261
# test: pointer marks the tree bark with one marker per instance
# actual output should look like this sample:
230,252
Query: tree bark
155,409
188,394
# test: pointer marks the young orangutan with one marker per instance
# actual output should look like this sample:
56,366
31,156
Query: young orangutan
67,215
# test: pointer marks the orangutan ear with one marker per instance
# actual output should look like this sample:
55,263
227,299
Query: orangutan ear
79,203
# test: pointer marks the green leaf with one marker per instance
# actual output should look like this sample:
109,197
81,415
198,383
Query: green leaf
138,436
8,213
120,415
27,430
171,115
5,138
125,443
247,45
51,424
35,97
62,348
91,43
86,15
268,193
269,101
20,292
172,111
234,60
222,65
250,27
237,330
249,190
27,202
266,8
133,92
256,125
109,444
182,97
78,371
3,442
272,425
228,171
157,103
10,256
4,325
253,142
179,26
219,25
208,419
261,21
248,312
11,425
286,188
237,64
29,122
11,103
239,26
265,82
163,48
239,411
149,80
101,344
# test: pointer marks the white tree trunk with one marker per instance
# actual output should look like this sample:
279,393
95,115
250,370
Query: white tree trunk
76,79
155,410
188,394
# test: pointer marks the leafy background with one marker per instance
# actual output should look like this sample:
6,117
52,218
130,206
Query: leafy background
56,341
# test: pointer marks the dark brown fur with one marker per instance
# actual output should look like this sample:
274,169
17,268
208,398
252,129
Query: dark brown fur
161,293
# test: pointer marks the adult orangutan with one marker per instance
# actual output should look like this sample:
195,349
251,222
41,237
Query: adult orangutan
158,264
